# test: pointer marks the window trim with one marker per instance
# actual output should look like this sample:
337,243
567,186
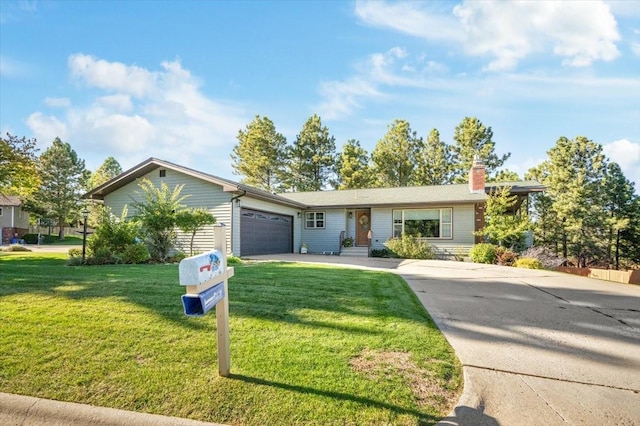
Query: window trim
314,218
441,222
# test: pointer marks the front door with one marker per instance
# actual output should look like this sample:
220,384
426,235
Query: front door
363,224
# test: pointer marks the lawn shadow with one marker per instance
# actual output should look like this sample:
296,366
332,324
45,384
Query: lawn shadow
423,418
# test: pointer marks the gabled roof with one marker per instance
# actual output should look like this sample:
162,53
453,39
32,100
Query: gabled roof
151,164
10,201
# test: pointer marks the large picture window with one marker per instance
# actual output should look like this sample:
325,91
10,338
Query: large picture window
314,220
425,223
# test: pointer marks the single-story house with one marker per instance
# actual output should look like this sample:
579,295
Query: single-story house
260,222
12,218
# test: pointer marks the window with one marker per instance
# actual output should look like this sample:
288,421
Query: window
314,220
427,223
0,211
163,173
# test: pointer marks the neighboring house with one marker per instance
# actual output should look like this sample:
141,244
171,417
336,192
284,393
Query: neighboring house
259,222
12,218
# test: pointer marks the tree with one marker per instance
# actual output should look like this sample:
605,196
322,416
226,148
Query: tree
352,168
158,214
259,155
434,162
312,157
574,175
63,177
503,224
395,156
473,139
18,173
505,175
109,169
190,221
619,203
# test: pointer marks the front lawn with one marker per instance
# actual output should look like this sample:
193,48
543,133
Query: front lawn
309,344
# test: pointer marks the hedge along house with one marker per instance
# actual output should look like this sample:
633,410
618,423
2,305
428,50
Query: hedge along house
259,222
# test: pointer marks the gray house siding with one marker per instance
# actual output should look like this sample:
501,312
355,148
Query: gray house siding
326,239
201,194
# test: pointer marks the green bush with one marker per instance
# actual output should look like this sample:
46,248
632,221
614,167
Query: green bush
233,260
483,253
347,242
135,253
505,256
410,247
385,252
529,263
102,256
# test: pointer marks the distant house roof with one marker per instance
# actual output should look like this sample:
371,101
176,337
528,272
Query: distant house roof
151,164
10,201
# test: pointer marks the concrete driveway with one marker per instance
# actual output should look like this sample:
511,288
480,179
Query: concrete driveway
537,347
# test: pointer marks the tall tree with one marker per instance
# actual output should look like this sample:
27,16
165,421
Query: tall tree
109,169
619,203
505,175
63,176
473,139
573,175
433,165
352,168
312,157
18,175
395,156
259,155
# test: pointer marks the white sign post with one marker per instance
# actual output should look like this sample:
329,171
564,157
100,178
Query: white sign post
206,277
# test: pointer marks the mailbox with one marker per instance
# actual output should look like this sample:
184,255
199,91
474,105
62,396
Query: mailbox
196,305
201,268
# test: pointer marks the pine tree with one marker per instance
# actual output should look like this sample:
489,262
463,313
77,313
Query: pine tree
259,155
312,157
109,169
352,168
434,162
395,156
619,203
63,178
473,139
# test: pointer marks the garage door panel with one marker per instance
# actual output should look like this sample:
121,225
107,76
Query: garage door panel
265,233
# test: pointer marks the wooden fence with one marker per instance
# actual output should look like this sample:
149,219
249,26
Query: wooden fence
627,277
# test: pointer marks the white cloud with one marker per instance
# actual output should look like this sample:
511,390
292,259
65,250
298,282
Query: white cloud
580,32
57,102
11,68
627,155
139,113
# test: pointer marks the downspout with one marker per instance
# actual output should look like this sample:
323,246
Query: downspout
237,197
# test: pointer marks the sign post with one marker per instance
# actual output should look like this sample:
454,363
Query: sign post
206,277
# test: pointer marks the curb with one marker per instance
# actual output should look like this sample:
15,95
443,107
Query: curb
18,410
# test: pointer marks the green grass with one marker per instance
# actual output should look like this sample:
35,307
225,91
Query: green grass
309,344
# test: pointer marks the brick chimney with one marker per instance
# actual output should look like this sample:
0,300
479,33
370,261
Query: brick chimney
477,176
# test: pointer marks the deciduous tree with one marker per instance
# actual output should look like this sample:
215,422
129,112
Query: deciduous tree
18,172
191,221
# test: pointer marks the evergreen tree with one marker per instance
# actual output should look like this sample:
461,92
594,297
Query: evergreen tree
503,225
505,175
472,139
619,203
312,157
259,155
395,156
63,177
352,168
109,169
433,165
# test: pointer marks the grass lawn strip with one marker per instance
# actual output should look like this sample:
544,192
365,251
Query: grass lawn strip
309,344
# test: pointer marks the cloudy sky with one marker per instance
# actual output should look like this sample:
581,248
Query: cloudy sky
178,80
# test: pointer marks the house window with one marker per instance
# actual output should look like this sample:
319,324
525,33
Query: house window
163,173
0,211
314,220
426,223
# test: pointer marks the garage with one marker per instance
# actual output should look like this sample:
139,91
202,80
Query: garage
265,233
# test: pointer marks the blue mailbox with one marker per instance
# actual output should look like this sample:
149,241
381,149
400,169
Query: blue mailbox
196,305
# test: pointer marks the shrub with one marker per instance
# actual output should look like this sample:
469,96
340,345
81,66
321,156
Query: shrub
17,247
483,253
505,256
385,252
233,260
135,253
102,256
347,242
529,263
547,257
410,247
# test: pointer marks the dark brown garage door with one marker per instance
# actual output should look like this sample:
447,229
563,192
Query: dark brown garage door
265,233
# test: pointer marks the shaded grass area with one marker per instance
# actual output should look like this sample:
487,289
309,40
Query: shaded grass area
309,344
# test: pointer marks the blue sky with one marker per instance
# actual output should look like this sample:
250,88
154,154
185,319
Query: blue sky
178,80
